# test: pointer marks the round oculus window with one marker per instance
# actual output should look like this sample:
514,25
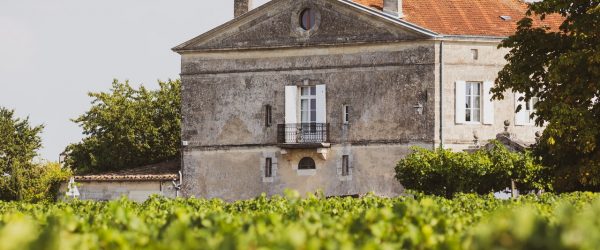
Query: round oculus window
307,19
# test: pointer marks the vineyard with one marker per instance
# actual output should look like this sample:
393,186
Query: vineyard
570,221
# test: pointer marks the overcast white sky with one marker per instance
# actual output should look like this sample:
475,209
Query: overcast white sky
53,52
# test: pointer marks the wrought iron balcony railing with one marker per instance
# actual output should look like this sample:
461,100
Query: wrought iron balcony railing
303,133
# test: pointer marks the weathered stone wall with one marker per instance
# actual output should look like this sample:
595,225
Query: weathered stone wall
223,116
460,65
237,173
224,99
137,191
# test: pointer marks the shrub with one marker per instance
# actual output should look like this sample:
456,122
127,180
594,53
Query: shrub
444,172
37,182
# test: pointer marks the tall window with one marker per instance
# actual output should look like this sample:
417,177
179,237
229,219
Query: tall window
529,108
308,104
268,116
530,105
473,102
268,167
345,165
346,114
475,54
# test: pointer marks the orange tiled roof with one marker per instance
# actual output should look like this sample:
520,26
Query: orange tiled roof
466,17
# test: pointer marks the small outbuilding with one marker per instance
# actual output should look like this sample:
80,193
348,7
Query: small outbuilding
137,184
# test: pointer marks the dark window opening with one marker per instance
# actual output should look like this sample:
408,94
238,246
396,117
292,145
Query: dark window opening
475,54
268,116
307,19
307,163
346,113
345,165
269,167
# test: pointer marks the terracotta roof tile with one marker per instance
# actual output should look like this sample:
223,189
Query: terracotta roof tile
164,171
466,17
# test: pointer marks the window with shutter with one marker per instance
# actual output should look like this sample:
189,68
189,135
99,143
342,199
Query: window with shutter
291,103
473,102
321,108
460,103
523,117
488,104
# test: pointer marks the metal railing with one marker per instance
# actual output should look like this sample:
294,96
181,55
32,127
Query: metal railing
298,133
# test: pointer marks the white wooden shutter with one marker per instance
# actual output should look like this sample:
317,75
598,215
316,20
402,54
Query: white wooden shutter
321,104
521,117
460,101
488,105
291,101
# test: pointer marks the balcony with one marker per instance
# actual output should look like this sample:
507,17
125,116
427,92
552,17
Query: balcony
303,135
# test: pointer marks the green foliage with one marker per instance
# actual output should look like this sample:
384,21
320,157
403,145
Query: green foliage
128,127
422,222
43,180
528,227
445,173
20,177
562,68
19,142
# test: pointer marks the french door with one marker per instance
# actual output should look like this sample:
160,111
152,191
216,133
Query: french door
308,113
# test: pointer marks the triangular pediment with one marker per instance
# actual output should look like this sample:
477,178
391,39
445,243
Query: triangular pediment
276,24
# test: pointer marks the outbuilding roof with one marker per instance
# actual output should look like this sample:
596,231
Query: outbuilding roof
466,17
164,171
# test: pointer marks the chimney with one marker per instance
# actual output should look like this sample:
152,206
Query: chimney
241,7
393,7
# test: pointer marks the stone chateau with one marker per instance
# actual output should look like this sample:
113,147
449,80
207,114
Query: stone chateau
330,94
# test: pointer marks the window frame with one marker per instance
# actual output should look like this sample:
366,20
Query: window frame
311,100
346,114
470,99
529,109
475,54
311,17
268,115
301,166
268,167
345,165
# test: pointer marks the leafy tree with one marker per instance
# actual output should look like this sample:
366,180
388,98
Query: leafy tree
20,178
561,66
20,142
128,127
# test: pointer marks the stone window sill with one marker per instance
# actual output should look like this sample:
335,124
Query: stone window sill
307,172
346,178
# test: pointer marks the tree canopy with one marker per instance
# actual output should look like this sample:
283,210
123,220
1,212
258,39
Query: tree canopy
20,142
560,66
128,127
20,177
